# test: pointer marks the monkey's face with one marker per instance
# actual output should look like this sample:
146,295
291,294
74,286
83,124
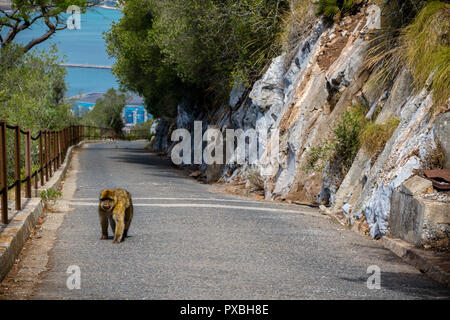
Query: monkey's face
107,200
107,204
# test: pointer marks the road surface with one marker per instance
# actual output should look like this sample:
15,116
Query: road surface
187,242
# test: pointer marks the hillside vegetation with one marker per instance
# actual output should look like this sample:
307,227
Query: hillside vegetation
193,49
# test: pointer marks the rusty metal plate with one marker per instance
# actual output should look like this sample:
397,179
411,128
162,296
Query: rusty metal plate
439,178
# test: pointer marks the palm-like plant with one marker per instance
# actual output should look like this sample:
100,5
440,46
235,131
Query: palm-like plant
330,8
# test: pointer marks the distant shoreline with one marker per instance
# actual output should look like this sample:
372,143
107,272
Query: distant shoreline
5,5
109,8
88,66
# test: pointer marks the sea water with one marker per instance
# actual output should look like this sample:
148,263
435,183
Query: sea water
84,46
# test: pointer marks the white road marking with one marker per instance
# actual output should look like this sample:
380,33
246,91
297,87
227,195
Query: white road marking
182,199
199,205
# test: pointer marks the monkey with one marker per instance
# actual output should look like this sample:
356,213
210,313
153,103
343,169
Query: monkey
117,207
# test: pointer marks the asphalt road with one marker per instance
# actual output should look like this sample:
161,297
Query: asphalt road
187,242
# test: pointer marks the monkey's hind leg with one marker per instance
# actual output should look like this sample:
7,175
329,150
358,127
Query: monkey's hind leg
120,226
128,217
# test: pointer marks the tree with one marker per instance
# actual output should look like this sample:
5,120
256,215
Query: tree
25,13
140,63
192,49
32,88
107,112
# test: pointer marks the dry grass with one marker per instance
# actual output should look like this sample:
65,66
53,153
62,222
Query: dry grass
385,57
375,135
255,179
427,48
422,45
296,23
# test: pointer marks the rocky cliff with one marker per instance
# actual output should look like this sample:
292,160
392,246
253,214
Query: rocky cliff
303,99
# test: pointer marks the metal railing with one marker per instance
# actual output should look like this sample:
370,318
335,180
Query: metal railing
48,154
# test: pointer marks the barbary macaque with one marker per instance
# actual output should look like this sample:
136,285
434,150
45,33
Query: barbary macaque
116,207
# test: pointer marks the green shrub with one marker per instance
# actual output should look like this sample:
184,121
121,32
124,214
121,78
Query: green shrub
32,88
346,135
107,112
330,8
50,194
375,135
318,156
344,143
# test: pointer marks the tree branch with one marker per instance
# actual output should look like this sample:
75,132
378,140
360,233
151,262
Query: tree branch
44,11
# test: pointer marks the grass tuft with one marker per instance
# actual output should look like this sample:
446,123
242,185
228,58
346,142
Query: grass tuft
331,8
344,144
421,42
375,135
427,49
295,24
255,179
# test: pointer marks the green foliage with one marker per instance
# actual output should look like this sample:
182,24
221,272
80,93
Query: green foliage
330,8
50,195
141,131
32,88
318,156
139,61
107,112
195,49
375,135
344,143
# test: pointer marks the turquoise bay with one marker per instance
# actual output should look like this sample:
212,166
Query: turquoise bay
84,46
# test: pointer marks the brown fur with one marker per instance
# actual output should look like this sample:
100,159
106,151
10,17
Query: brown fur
116,206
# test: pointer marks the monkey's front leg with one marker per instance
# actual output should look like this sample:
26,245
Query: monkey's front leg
104,224
120,226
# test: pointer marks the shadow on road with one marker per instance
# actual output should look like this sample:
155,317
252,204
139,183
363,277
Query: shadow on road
406,283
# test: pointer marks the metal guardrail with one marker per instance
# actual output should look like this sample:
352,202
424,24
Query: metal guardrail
51,151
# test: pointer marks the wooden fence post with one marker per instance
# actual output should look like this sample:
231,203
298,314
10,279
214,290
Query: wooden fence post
3,172
55,150
17,168
41,158
58,136
49,153
28,164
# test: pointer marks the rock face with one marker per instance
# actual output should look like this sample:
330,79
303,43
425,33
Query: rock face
298,108
442,134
